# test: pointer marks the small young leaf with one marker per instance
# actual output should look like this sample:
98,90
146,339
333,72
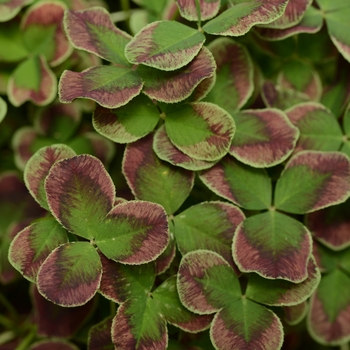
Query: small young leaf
331,226
177,85
319,129
122,282
274,246
264,137
57,321
34,244
234,75
139,325
153,47
109,86
208,9
100,335
174,312
71,274
246,325
328,318
311,23
280,292
133,233
323,180
145,174
92,30
128,123
10,8
80,193
3,109
165,150
245,186
292,15
206,282
38,167
213,232
43,31
33,81
201,130
238,19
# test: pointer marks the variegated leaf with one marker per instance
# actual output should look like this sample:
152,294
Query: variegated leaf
10,8
100,335
207,9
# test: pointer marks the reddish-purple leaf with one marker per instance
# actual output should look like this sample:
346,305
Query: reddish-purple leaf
213,232
100,335
177,85
46,17
34,244
139,325
331,226
208,9
109,86
234,75
238,19
319,129
153,47
295,314
311,23
34,81
323,180
53,344
264,137
241,184
80,193
71,274
164,260
38,167
92,30
57,321
145,174
273,245
133,233
280,292
292,15
165,150
202,89
201,130
10,8
128,123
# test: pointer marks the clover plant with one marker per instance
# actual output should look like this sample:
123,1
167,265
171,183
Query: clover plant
174,174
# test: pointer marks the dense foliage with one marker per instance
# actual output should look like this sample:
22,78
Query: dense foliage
174,174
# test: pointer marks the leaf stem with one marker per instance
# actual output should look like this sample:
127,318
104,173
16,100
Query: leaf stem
113,308
24,344
198,8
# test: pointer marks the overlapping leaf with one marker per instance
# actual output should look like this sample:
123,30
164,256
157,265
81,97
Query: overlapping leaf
214,231
153,47
243,185
71,274
201,130
10,8
165,150
263,137
311,23
92,30
208,9
33,81
38,167
319,129
323,179
110,86
238,19
296,313
33,245
274,246
127,123
234,75
100,335
207,284
43,32
175,86
154,180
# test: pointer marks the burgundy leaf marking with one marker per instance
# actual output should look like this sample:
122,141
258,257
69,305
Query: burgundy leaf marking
208,9
22,142
46,91
177,85
166,258
47,14
296,313
100,335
